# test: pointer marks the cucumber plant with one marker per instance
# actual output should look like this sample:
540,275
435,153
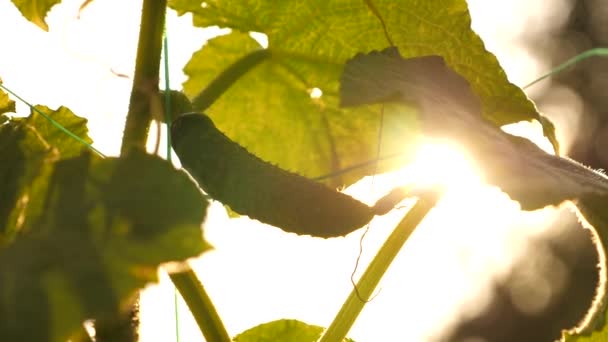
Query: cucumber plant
83,233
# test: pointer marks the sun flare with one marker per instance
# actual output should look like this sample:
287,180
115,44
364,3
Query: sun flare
436,165
443,164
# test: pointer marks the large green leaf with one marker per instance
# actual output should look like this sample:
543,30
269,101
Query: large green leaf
309,43
106,226
282,330
450,109
36,10
270,112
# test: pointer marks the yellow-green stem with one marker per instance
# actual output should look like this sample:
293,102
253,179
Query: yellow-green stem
355,302
200,305
145,86
145,78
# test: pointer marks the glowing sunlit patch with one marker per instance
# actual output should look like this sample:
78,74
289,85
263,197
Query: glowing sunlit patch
260,37
441,164
315,93
531,131
437,166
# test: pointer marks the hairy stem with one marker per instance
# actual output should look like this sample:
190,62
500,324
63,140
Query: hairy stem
200,305
145,79
145,87
223,81
369,280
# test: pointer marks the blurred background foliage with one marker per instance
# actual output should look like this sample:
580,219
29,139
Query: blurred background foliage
576,102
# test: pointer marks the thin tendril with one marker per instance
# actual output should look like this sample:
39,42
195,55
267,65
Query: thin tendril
367,227
360,165
168,104
168,151
570,62
53,122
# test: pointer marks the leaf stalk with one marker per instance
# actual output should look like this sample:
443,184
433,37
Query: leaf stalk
357,299
223,81
200,305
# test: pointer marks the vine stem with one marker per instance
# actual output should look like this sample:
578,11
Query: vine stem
357,299
145,87
146,76
200,305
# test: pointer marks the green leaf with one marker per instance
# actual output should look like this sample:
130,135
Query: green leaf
309,43
450,109
271,107
27,148
106,226
282,330
67,145
36,10
280,113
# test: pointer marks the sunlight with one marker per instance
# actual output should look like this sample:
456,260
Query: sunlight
469,239
436,165
442,164
531,131
315,93
260,37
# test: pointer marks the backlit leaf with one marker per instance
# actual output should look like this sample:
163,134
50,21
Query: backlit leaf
450,109
25,159
282,330
309,43
106,226
280,113
28,147
67,145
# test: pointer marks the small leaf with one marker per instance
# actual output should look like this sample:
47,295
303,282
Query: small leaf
282,330
25,159
93,245
84,5
27,148
67,145
36,10
6,105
